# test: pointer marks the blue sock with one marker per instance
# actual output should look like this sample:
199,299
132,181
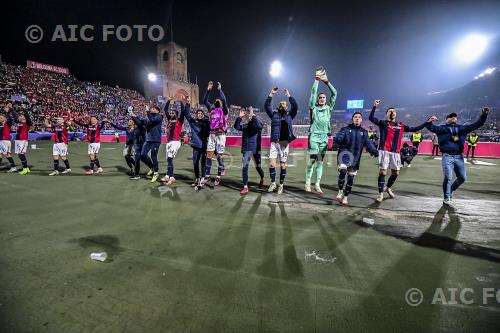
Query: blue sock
348,186
170,167
260,172
56,165
381,183
66,163
220,168
391,180
96,161
272,173
208,167
11,161
341,181
24,162
91,164
282,175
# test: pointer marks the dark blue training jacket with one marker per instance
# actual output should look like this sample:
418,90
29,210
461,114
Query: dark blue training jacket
200,129
251,134
353,138
276,118
446,132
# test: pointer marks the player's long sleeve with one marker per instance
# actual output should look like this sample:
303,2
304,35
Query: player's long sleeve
416,128
237,125
314,94
119,127
225,108
474,126
268,107
294,107
372,117
333,95
205,100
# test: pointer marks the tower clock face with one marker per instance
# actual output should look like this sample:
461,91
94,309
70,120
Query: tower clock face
179,58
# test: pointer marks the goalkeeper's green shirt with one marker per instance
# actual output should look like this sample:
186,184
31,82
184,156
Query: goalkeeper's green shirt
320,115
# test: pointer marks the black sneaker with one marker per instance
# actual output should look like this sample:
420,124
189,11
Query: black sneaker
135,177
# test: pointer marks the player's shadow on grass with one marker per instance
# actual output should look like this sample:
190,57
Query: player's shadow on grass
424,267
107,243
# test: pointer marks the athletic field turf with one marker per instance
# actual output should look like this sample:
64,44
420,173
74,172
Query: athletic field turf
211,261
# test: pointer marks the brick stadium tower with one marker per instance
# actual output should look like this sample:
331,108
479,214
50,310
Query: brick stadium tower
173,79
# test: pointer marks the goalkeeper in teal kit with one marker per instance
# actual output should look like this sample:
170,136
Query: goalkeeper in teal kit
320,129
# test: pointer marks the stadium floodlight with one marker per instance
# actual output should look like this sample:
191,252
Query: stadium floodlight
481,75
471,48
489,70
276,68
476,77
152,77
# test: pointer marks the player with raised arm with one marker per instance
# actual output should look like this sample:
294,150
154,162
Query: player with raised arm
59,128
320,114
281,135
139,136
351,140
174,128
451,138
391,136
6,123
200,130
23,125
217,139
94,139
152,124
128,150
250,145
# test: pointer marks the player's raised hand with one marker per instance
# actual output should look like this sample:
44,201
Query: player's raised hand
485,110
319,71
242,112
188,99
219,86
377,102
287,92
250,110
274,91
210,85
432,119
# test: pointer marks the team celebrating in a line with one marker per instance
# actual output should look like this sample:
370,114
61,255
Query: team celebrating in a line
208,140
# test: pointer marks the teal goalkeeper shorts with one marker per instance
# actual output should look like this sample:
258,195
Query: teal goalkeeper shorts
317,146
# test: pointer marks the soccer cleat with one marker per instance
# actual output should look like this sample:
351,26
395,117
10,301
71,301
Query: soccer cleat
205,180
165,179
389,191
223,172
448,202
280,188
196,183
408,166
345,201
89,172
66,171
340,196
317,188
244,191
13,169
261,183
155,177
308,187
380,197
150,173
99,170
24,171
135,177
54,173
217,181
171,181
272,187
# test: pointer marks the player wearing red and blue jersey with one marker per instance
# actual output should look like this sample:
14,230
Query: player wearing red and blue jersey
174,128
6,123
60,147
23,125
94,139
391,136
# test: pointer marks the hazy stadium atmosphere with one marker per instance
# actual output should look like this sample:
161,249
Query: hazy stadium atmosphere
250,167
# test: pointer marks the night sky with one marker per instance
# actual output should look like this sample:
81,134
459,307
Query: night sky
397,51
